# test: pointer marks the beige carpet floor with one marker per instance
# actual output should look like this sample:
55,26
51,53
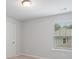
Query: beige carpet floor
22,57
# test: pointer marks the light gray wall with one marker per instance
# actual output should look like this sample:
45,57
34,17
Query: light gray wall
13,33
37,37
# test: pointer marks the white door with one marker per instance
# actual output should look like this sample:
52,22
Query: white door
10,39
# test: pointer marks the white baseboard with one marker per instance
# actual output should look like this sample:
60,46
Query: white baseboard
38,57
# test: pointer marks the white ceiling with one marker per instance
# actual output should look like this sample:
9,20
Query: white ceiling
39,8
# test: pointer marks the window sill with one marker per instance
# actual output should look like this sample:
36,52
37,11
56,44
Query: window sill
70,50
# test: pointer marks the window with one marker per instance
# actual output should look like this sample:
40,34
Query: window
63,35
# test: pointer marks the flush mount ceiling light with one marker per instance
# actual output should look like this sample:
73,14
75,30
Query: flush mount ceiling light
26,3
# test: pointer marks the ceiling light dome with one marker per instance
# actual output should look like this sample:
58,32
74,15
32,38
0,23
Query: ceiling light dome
26,3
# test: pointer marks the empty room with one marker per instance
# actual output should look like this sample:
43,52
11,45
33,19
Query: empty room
38,29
